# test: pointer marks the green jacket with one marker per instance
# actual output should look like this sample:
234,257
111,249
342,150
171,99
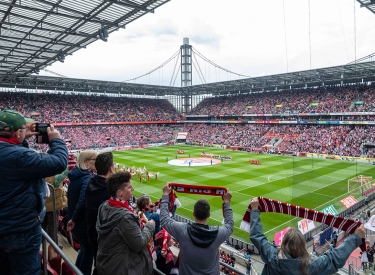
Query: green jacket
122,245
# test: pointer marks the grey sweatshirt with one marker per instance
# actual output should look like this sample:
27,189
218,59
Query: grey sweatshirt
199,244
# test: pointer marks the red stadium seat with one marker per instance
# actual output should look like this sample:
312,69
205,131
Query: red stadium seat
66,270
51,271
54,259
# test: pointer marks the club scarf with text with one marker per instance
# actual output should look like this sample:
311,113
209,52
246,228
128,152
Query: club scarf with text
269,205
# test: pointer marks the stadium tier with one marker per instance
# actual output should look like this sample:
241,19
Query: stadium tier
143,120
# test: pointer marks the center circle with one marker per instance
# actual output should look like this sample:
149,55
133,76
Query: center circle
193,161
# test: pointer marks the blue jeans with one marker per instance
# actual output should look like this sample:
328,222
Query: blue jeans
85,256
19,253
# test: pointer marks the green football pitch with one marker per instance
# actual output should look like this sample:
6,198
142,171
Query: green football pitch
314,183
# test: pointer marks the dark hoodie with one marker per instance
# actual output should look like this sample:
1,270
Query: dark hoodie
201,235
96,194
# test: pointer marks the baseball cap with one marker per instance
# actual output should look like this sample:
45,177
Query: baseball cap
11,120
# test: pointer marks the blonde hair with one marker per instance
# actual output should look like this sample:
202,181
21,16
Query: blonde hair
295,245
85,155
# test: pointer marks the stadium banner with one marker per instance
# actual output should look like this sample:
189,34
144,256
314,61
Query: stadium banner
197,115
116,123
182,135
280,235
306,226
279,105
348,202
330,210
314,104
360,102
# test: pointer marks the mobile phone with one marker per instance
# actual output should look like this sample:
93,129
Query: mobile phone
42,129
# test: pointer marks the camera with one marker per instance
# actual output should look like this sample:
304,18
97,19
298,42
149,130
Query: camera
43,135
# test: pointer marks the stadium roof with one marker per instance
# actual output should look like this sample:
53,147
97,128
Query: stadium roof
37,33
369,4
351,73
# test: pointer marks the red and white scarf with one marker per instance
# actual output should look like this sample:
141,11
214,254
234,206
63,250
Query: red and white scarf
192,189
163,236
115,202
269,205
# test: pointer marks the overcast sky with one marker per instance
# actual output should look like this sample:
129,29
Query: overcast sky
244,36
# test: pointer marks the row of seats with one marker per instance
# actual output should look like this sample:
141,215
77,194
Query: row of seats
328,99
51,107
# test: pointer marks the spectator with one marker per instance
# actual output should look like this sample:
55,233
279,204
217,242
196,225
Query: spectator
97,193
164,261
334,237
122,242
248,266
79,177
199,243
364,260
247,254
48,224
145,205
292,257
23,191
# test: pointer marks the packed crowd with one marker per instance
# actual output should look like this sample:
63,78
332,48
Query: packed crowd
340,140
52,107
351,98
83,137
325,139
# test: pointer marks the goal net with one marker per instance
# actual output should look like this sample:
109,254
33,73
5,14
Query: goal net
360,185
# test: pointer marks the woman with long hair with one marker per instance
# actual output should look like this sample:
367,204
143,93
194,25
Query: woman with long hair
79,177
292,257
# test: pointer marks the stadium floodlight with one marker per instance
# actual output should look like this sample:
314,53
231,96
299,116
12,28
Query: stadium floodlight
103,34
60,56
36,70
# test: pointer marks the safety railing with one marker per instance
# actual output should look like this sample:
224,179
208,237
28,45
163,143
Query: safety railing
45,239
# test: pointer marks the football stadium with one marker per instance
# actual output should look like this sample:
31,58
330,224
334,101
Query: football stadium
194,166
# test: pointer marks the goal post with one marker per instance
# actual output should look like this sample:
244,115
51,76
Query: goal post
360,185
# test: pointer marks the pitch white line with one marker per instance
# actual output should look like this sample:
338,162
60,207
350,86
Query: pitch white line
325,195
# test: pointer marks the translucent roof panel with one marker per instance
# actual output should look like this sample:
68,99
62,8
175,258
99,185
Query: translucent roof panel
36,33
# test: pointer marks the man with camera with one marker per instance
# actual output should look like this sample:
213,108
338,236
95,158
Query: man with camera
23,191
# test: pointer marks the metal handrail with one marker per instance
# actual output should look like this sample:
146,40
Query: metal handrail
46,238
232,268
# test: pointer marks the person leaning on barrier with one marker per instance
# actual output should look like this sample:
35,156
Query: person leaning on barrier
292,257
23,191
